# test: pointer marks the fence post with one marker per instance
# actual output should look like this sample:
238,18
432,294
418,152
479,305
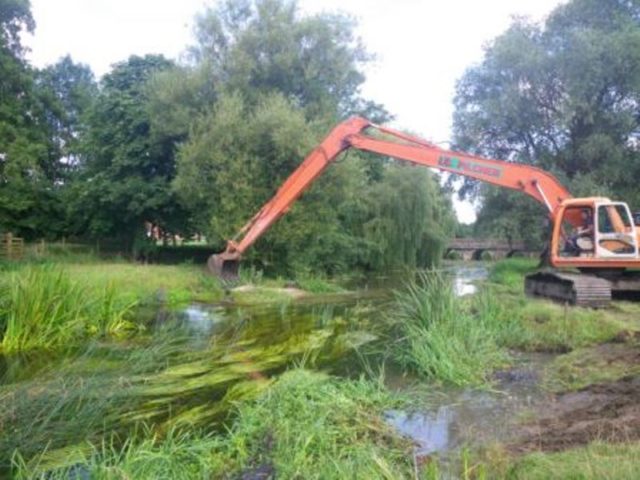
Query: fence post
9,240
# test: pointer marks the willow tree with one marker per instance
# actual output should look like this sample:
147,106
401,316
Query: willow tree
263,86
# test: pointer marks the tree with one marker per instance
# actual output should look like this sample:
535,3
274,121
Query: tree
264,85
126,171
563,96
237,157
70,89
29,160
15,18
262,46
410,220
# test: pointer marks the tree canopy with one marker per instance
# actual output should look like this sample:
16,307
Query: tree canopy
197,146
272,83
562,95
29,161
126,170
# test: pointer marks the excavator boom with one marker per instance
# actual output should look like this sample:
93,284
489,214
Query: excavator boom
350,134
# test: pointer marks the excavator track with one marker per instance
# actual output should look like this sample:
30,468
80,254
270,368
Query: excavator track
583,290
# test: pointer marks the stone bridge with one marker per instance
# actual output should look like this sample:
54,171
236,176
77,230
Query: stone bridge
472,249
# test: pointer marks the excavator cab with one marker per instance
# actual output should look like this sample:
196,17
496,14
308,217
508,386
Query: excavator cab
592,230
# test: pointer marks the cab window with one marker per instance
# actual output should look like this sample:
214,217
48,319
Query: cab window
613,219
616,235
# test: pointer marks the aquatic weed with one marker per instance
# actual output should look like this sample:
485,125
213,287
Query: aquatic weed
304,425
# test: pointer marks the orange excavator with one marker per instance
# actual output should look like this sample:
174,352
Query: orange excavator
594,244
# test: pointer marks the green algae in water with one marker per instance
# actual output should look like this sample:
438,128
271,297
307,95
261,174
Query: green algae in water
174,375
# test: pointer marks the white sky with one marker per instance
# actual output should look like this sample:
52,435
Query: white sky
422,46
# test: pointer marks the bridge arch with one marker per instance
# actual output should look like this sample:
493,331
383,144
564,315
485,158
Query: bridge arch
475,249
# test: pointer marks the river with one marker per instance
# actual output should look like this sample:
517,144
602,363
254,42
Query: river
192,363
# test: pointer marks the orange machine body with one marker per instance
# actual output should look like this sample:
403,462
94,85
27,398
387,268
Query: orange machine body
532,181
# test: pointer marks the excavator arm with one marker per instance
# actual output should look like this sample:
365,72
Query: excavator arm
532,181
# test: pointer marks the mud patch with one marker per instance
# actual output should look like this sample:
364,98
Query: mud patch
608,412
274,291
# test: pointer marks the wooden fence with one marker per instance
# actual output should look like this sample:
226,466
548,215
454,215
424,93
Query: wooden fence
11,248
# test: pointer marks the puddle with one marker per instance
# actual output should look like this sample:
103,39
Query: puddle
430,431
457,418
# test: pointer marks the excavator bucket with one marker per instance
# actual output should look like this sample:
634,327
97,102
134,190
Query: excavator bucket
224,265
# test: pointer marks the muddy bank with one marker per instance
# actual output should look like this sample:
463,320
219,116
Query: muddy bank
608,412
292,292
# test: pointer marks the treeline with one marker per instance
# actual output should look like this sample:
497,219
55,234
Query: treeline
196,146
564,96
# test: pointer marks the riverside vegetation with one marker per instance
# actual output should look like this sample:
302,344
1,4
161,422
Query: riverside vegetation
286,418
61,299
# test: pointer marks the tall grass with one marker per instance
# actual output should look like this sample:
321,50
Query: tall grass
43,307
178,455
305,425
510,272
444,337
59,412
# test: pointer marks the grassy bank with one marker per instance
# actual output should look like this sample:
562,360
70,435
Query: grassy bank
47,306
594,345
305,425
548,326
63,300
460,341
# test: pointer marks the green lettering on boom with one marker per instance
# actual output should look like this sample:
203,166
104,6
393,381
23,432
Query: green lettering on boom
469,167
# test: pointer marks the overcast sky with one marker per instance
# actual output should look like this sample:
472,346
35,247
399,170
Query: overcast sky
422,46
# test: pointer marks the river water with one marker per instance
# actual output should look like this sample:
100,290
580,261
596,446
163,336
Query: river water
193,363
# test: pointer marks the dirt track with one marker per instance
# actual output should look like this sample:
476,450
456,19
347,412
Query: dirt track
607,411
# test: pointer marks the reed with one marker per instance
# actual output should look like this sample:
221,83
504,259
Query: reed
445,338
43,307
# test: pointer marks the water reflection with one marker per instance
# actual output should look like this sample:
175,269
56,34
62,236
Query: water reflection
430,431
202,319
460,417
466,278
